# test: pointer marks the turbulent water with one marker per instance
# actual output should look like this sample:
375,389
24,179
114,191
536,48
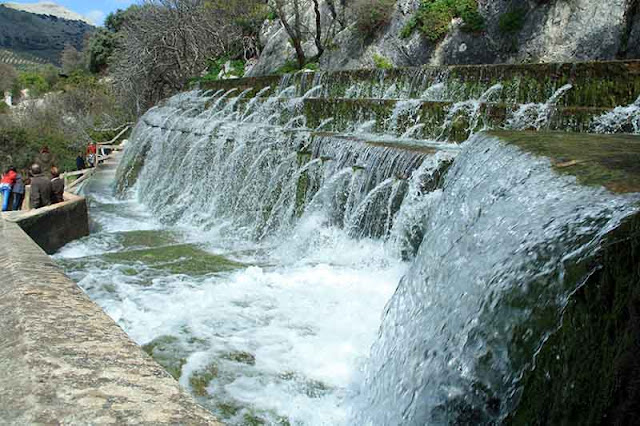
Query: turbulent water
290,275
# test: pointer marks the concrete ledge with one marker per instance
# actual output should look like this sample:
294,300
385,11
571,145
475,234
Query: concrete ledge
54,226
64,361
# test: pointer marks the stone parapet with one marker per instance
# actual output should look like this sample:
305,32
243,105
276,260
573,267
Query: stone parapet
64,361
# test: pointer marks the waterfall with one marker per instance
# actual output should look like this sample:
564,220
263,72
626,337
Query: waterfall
259,176
457,335
478,245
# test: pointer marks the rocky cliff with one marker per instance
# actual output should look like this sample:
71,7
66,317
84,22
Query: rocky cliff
510,31
41,35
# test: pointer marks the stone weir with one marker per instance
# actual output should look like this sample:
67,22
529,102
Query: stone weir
453,102
367,147
584,118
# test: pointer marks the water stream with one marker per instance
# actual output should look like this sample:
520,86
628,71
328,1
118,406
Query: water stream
291,276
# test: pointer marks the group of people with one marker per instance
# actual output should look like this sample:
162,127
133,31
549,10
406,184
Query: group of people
44,190
91,157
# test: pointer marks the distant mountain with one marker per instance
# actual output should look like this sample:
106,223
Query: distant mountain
48,8
40,31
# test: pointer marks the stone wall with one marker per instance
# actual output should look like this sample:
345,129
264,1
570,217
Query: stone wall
64,361
54,226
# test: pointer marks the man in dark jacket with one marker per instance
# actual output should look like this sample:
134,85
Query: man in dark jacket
40,188
57,186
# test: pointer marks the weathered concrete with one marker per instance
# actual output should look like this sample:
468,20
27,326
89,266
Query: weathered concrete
54,226
64,361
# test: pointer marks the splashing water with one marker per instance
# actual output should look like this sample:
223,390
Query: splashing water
286,244
449,345
623,119
536,116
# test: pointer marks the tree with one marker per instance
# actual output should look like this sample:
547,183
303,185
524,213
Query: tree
8,78
100,48
164,43
291,15
72,59
34,82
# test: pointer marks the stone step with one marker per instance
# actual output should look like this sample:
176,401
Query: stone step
595,84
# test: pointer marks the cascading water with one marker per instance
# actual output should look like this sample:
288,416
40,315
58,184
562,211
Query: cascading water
457,335
285,244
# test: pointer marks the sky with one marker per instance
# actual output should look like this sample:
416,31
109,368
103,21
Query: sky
95,10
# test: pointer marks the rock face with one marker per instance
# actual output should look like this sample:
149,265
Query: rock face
40,35
546,31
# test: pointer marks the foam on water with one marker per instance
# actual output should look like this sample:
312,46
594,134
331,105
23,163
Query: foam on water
329,229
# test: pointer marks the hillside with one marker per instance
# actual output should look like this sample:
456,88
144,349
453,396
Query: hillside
40,36
441,32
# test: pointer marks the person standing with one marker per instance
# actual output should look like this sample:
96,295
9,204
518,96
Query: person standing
40,188
6,183
92,154
18,192
57,186
80,163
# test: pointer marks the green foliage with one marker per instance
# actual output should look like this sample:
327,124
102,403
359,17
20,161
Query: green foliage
22,143
34,82
99,49
8,77
4,108
292,67
115,21
434,16
216,66
372,15
381,62
512,22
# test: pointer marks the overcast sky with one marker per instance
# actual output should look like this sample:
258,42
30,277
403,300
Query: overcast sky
95,10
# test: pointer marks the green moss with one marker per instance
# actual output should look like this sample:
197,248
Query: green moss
169,353
381,62
240,357
227,409
176,259
512,22
154,238
612,161
199,380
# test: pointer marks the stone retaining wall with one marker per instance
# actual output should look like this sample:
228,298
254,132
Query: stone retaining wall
54,226
64,361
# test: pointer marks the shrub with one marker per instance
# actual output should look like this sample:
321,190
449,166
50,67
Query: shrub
35,82
513,21
372,15
434,16
381,62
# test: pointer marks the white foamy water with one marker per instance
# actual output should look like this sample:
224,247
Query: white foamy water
318,225
308,311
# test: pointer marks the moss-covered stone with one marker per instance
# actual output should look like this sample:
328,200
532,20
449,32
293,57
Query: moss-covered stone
588,371
240,357
199,380
176,259
595,84
150,239
169,353
612,161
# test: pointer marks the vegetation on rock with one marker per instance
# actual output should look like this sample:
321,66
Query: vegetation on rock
434,17
372,15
